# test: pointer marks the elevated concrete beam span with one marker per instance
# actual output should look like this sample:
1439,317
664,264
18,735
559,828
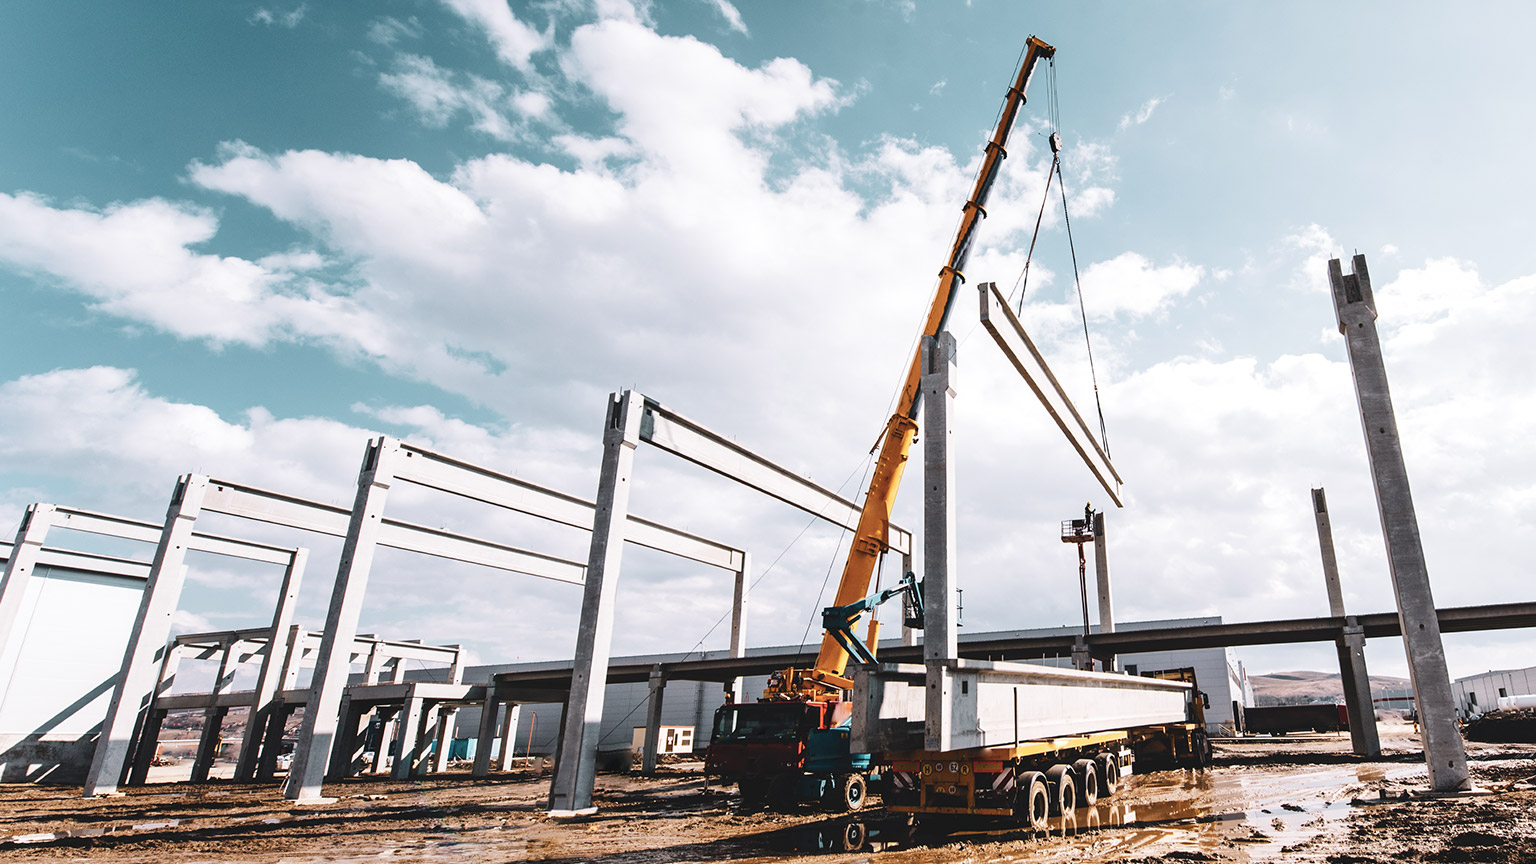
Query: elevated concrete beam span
1020,350
149,532
670,431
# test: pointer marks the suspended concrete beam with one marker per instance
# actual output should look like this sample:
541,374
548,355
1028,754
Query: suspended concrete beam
670,431
1363,735
1444,751
1020,350
1101,573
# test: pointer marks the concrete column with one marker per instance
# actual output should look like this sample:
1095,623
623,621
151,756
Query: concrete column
653,721
213,718
334,661
1444,751
18,572
272,666
940,635
739,622
486,736
388,727
1101,572
908,634
445,718
137,678
575,769
145,745
346,750
407,746
509,737
1363,735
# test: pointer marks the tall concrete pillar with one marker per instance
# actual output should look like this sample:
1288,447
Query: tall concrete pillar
739,622
139,674
940,634
333,663
408,738
18,571
653,722
1444,751
509,737
1363,735
575,768
486,736
272,664
1101,572
446,715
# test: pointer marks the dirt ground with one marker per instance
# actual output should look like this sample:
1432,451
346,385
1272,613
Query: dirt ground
1301,798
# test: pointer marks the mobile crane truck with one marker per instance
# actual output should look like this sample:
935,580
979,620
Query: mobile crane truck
793,744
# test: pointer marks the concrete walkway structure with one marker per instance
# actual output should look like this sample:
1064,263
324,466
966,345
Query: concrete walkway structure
1444,751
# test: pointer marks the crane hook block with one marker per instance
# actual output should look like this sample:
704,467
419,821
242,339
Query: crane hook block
1055,142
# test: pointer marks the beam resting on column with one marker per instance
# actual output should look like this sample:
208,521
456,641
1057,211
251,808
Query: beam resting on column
1444,751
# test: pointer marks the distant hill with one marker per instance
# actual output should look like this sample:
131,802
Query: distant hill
1301,688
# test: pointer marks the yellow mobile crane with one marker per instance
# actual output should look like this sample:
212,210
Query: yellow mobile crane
794,744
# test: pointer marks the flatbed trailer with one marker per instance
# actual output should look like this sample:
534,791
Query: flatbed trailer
1031,780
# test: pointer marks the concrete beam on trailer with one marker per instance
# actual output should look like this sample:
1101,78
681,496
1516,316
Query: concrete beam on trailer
575,767
1364,738
1444,751
940,633
668,430
1020,350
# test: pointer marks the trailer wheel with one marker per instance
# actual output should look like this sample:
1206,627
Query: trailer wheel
1086,773
1063,795
851,791
1109,774
1032,799
1200,743
854,835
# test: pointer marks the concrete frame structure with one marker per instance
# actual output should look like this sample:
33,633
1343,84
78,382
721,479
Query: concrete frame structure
1364,738
136,681
1444,751
631,419
386,462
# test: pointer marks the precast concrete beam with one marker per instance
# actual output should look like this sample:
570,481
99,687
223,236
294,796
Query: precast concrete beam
575,768
509,737
269,679
739,622
940,633
486,735
1101,573
658,688
1363,735
670,431
1444,751
1020,350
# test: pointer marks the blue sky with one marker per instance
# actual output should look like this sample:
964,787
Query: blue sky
241,238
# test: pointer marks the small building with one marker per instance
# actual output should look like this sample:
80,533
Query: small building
1479,694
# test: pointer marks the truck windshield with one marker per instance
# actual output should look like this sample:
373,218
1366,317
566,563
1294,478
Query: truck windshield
745,722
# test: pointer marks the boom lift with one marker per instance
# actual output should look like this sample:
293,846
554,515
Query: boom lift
793,745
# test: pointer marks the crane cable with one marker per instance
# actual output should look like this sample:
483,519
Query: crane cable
1022,284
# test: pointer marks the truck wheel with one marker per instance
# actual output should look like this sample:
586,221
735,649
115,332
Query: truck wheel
851,791
1032,799
1109,774
854,835
1063,796
1086,773
1200,742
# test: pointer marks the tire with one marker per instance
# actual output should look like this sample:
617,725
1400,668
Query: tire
1200,742
854,835
1086,773
1032,800
1109,774
1063,794
851,792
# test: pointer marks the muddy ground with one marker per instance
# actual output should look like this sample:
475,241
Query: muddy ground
1297,799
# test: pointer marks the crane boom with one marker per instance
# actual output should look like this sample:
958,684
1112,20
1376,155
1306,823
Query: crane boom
869,542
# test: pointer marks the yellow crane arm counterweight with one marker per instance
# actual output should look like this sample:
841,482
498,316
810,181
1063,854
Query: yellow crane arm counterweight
869,542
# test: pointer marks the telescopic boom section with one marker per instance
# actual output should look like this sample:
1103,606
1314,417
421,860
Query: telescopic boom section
826,677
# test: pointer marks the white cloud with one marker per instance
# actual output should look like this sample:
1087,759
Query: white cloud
937,88
277,18
135,260
438,97
1226,93
516,42
1130,284
389,31
731,14
1142,114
